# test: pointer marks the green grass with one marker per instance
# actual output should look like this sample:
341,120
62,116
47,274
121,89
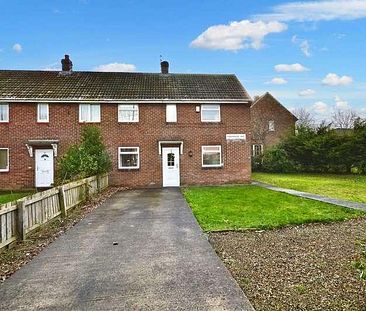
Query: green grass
244,207
12,196
346,187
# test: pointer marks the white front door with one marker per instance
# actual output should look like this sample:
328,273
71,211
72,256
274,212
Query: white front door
171,175
44,168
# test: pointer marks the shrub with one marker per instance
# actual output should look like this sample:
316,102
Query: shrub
277,160
88,158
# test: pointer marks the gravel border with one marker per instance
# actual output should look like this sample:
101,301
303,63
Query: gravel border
308,267
20,253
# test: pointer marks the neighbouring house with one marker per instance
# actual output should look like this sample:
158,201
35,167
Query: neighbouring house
271,121
161,129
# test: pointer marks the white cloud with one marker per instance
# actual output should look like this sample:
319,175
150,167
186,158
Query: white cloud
307,92
303,44
305,48
320,107
333,79
341,103
277,81
116,67
237,35
17,48
317,11
290,68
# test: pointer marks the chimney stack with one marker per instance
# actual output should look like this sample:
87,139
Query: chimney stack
164,67
66,63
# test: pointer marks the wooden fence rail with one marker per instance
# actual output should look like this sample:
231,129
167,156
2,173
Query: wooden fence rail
20,217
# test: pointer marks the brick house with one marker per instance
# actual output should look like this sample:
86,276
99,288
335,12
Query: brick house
161,129
271,121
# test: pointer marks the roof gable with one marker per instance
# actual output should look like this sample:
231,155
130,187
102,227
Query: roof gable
269,96
124,86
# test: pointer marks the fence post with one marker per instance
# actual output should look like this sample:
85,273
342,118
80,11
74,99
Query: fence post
86,194
98,183
61,198
21,220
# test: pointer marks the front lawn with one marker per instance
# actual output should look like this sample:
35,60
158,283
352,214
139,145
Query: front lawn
12,196
243,207
346,187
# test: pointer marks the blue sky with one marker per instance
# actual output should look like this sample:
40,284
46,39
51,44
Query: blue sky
308,54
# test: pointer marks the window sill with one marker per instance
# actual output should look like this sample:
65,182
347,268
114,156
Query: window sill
128,122
4,171
213,167
128,168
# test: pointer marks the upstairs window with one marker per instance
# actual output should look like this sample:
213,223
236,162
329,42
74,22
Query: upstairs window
128,113
89,113
42,113
128,157
4,113
4,160
211,156
210,113
271,126
171,113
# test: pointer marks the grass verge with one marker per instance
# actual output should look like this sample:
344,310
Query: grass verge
346,187
6,197
251,207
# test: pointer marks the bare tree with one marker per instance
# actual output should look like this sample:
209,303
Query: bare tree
304,118
344,119
259,128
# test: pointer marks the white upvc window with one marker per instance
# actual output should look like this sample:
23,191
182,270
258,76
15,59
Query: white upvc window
4,113
210,113
271,126
128,113
211,156
4,159
43,113
171,113
128,157
257,150
89,113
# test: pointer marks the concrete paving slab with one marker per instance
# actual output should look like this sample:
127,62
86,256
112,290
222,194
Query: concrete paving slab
163,261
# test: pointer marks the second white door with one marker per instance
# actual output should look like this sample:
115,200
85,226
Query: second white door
171,167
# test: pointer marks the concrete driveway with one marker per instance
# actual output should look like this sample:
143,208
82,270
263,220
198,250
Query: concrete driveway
162,261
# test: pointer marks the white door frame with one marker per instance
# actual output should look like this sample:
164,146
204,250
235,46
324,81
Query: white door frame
171,171
50,180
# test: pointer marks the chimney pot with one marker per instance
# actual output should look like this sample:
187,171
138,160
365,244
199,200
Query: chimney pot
164,67
66,63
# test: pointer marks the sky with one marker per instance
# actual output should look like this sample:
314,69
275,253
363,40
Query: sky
309,54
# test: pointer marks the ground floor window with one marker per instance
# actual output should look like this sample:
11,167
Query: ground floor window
128,157
4,160
257,150
211,156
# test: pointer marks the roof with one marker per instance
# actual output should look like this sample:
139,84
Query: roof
267,94
26,85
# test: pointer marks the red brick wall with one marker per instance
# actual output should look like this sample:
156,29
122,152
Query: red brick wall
266,109
64,125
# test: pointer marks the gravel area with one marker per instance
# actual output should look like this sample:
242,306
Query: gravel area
307,267
20,253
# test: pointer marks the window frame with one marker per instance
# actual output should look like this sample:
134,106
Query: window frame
38,113
205,109
120,152
89,113
211,165
4,170
7,112
172,120
271,126
129,121
253,150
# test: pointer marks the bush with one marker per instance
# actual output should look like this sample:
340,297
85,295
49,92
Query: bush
277,160
320,150
87,159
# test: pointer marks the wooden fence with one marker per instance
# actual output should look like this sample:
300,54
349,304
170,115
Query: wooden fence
26,214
